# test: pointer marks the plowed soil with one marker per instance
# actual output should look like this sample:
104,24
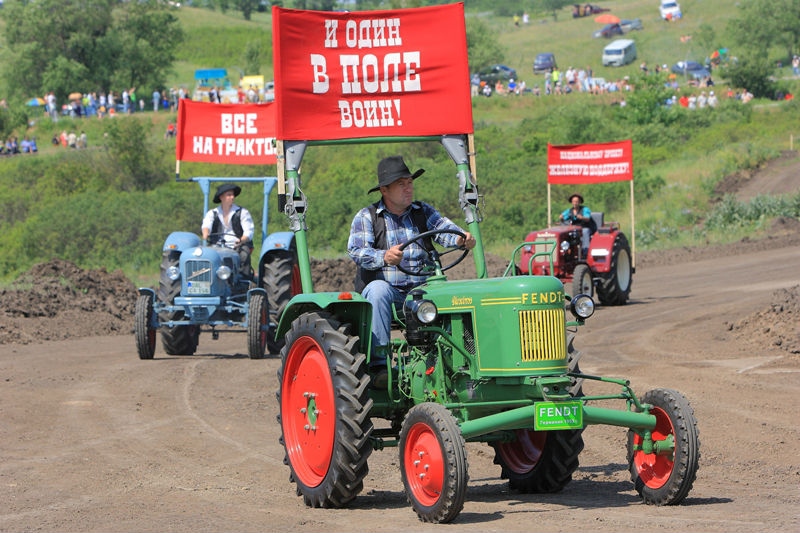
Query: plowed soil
94,439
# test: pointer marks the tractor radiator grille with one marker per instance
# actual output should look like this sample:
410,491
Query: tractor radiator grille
198,270
198,277
542,335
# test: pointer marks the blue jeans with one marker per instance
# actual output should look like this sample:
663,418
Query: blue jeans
382,296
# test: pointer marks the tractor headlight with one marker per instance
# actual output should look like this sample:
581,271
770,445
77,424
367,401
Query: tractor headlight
582,306
424,310
173,273
223,272
564,246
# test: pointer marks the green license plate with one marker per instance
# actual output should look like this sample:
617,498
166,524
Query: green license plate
558,415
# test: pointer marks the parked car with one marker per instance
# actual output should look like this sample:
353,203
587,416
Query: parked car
544,62
586,10
496,73
691,69
631,24
669,10
608,31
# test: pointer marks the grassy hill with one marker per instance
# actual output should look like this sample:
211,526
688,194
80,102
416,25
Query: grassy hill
677,166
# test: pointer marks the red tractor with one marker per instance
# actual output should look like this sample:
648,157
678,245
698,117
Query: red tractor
607,266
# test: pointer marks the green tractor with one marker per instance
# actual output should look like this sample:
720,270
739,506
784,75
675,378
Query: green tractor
485,360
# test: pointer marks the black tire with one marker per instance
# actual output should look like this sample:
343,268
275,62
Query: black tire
178,340
324,407
543,461
143,326
257,326
433,463
615,287
281,279
582,280
666,478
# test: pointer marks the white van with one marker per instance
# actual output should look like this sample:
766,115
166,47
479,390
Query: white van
618,53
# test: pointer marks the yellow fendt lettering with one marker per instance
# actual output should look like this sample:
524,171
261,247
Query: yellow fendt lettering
551,297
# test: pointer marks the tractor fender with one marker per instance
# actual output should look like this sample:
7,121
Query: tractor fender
147,290
600,249
180,241
347,307
281,240
257,290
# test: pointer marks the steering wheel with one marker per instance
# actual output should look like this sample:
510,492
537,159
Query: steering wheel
220,241
433,255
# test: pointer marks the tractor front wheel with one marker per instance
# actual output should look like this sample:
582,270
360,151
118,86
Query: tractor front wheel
177,340
324,410
433,463
582,281
665,476
257,326
145,332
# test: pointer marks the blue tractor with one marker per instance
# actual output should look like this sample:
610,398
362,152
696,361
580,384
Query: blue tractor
201,288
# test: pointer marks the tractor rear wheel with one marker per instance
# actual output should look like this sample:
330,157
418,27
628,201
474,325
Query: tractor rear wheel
543,461
177,340
615,287
433,463
324,410
145,332
582,281
281,279
666,477
257,326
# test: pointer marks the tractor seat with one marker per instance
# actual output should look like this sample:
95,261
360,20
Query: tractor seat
598,217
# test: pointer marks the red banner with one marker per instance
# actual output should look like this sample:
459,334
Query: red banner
234,134
371,74
577,164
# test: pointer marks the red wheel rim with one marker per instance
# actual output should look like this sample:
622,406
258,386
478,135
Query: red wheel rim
655,469
308,413
297,284
424,464
522,455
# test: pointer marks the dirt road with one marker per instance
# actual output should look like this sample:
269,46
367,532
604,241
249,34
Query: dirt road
96,440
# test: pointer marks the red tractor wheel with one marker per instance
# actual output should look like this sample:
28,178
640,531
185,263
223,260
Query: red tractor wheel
433,463
615,287
324,410
582,281
664,475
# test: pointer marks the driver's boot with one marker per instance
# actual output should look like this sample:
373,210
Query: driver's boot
377,367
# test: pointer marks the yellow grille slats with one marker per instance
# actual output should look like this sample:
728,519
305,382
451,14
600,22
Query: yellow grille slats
542,334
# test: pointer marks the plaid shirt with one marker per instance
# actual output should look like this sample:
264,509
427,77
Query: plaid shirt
399,230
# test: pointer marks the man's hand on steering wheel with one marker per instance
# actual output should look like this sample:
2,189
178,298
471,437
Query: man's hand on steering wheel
433,254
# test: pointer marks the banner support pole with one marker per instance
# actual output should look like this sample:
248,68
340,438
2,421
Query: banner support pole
633,232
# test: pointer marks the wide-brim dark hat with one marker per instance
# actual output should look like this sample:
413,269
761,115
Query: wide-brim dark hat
225,187
573,196
391,169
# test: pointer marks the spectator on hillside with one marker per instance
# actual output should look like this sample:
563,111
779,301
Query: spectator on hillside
12,146
156,100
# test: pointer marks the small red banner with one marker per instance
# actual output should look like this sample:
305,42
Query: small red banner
371,74
577,164
234,134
